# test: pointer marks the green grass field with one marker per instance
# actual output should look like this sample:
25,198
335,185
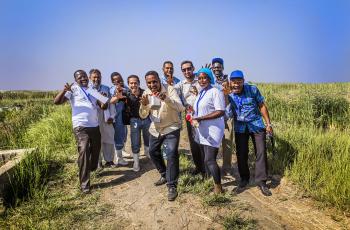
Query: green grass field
311,124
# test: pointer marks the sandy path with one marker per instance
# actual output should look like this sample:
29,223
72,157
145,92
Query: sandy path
138,204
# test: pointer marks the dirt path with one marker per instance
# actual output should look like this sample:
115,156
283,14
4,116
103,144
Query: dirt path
138,204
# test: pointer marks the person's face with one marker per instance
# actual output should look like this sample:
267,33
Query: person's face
217,69
203,80
236,85
118,81
133,84
153,83
82,79
168,69
187,70
95,78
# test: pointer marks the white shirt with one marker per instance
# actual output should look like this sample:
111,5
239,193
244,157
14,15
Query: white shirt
210,132
185,89
84,109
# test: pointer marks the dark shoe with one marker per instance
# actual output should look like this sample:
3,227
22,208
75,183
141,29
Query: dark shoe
194,172
172,193
243,183
227,171
161,181
112,165
108,164
264,190
86,191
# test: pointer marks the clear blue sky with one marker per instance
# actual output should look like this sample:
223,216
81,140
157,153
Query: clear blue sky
43,42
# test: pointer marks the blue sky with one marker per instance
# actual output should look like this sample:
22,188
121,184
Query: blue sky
43,42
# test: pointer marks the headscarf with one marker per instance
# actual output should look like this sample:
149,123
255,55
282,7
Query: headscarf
208,72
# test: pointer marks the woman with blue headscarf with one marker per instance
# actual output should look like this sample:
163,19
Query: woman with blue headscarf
209,110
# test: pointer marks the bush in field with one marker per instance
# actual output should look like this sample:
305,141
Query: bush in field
328,111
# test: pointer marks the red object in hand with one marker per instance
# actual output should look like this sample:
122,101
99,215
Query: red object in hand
189,117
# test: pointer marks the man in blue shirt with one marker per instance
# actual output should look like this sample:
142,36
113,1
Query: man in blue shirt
118,92
168,78
248,110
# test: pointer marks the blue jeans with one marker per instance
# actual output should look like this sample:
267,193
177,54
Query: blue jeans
119,135
170,143
136,126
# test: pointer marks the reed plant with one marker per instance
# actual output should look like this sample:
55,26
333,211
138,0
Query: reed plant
52,137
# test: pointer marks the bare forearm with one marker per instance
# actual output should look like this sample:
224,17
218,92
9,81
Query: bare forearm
265,113
60,98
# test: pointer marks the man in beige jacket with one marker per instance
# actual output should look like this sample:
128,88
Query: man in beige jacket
163,105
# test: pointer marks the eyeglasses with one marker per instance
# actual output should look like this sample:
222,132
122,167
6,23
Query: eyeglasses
152,82
186,69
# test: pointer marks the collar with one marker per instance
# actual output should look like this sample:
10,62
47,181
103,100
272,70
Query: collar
221,79
195,80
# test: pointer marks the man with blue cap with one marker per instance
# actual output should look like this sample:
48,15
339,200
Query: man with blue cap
248,109
222,83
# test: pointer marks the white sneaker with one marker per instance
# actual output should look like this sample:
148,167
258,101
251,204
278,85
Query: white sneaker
136,166
120,159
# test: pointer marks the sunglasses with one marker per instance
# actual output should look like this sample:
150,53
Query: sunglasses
186,69
152,82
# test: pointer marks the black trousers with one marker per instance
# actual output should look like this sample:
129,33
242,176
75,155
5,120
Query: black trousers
242,150
89,146
170,143
197,154
210,153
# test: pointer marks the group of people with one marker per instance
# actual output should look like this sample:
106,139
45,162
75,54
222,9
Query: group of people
217,108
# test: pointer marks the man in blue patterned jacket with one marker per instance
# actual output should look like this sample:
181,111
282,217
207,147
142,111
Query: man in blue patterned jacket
248,109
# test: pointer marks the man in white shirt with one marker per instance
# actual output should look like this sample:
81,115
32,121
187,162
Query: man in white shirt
189,89
85,125
162,104
105,119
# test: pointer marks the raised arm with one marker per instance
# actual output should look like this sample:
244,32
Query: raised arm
144,106
60,97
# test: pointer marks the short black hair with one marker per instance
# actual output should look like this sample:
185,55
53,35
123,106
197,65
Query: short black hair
167,62
185,62
79,71
152,72
95,71
116,74
134,76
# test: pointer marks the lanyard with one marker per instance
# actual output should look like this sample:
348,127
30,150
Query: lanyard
86,95
201,95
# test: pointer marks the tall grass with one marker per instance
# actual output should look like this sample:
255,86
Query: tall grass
51,137
312,138
26,94
13,124
322,165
